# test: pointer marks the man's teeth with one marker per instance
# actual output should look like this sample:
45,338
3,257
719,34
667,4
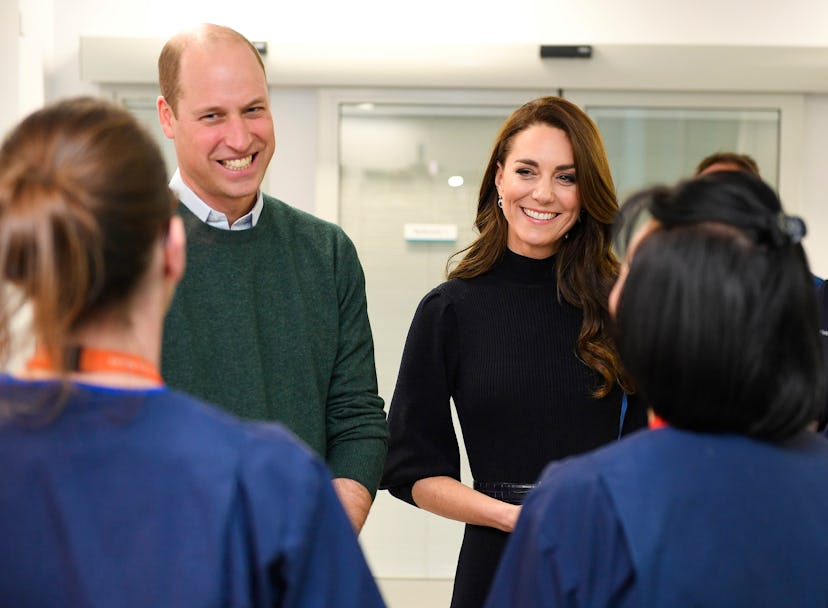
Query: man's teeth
538,215
237,164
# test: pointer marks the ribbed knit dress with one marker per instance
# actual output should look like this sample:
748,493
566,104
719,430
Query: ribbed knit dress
502,347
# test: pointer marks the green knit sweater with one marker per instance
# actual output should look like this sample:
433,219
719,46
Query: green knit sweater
271,323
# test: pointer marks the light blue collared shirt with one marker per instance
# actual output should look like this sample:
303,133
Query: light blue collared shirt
207,214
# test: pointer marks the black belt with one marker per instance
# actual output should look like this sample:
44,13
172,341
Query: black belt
513,493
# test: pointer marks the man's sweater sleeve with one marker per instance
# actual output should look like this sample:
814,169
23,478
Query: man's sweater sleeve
357,433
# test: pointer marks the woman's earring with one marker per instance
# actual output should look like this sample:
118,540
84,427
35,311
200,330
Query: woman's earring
500,201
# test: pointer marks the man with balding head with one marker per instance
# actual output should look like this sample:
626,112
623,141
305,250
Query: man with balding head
271,320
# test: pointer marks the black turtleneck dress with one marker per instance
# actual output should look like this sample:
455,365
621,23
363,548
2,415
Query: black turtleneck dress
502,347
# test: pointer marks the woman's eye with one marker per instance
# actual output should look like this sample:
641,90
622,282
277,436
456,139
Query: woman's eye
568,178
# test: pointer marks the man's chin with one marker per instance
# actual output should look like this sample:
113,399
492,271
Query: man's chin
242,190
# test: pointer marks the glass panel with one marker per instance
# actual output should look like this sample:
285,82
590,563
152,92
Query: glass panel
417,168
648,145
409,178
145,111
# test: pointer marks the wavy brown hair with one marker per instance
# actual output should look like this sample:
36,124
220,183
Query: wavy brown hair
83,199
586,265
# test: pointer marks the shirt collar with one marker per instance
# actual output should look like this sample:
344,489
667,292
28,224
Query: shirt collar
207,214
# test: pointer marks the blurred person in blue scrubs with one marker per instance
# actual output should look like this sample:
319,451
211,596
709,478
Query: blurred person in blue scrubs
725,504
118,491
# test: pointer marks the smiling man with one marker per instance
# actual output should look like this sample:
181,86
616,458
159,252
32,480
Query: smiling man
271,320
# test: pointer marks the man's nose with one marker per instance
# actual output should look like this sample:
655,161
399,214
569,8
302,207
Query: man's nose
237,136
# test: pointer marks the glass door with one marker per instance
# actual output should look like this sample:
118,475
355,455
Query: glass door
661,137
637,138
400,172
408,179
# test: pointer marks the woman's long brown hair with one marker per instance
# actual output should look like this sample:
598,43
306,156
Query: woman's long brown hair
586,265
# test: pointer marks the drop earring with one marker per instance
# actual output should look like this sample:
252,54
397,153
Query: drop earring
500,201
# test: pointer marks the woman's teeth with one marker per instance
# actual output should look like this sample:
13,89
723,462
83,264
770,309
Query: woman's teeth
537,214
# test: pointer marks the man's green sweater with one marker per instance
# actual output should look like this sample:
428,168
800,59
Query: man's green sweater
271,323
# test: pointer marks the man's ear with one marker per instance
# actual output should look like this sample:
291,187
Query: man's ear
165,116
175,251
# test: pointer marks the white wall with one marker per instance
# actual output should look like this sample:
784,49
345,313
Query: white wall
48,51
738,22
9,64
815,182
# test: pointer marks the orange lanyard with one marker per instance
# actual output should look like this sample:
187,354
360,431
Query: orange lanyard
83,359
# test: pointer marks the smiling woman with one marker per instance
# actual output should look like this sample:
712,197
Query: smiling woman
517,338
537,189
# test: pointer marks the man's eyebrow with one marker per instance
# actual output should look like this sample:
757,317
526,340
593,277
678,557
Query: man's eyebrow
257,101
208,110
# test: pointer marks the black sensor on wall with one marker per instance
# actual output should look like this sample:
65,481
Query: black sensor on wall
571,51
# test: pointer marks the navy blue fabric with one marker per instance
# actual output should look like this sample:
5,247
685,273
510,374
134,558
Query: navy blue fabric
672,518
822,303
151,498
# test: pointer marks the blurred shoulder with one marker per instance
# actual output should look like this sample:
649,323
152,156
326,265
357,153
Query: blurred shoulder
198,422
